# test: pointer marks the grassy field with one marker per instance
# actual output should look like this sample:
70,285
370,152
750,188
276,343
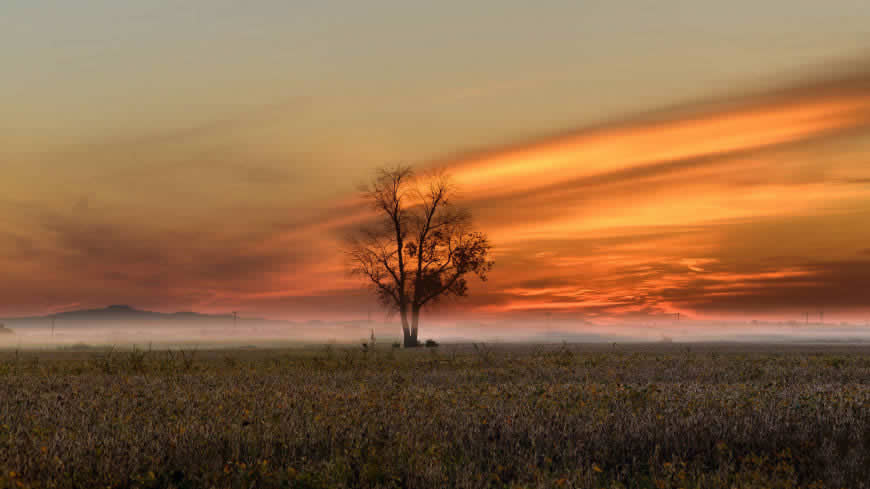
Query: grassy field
655,416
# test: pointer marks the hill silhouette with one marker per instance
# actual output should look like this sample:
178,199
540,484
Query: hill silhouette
122,312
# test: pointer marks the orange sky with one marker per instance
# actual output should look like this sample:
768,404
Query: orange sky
627,163
753,207
747,207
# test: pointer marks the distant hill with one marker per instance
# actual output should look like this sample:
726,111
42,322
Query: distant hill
120,313
4,330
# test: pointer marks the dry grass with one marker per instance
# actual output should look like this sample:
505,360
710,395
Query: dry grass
505,417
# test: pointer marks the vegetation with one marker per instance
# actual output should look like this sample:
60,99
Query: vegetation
656,416
420,248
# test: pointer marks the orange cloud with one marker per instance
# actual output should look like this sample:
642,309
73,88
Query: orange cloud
748,206
605,150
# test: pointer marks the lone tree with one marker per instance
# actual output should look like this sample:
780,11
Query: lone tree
419,248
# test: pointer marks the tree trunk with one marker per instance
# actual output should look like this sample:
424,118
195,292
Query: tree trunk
415,320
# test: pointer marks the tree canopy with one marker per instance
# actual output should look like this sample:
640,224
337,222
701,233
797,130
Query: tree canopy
420,248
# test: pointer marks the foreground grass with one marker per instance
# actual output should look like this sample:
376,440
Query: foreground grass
508,417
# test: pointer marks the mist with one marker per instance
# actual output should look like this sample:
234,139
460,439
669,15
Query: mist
75,335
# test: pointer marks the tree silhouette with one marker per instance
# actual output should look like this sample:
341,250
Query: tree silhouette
420,247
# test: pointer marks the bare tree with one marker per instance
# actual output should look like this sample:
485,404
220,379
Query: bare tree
420,248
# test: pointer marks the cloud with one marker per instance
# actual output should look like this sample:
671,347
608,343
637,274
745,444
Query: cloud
97,260
739,206
826,285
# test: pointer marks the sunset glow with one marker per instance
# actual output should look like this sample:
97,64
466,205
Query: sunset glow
746,212
716,172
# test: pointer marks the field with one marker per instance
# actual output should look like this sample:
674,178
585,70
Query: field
658,416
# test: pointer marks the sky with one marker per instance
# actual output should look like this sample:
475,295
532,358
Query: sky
628,160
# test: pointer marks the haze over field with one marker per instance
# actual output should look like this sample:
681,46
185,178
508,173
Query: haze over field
687,159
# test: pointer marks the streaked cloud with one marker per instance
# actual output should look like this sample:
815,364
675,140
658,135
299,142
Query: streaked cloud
742,205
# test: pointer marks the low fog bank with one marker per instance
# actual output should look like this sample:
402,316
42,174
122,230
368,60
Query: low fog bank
160,334
226,333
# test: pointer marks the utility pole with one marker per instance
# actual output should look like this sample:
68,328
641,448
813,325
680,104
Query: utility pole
53,316
235,317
